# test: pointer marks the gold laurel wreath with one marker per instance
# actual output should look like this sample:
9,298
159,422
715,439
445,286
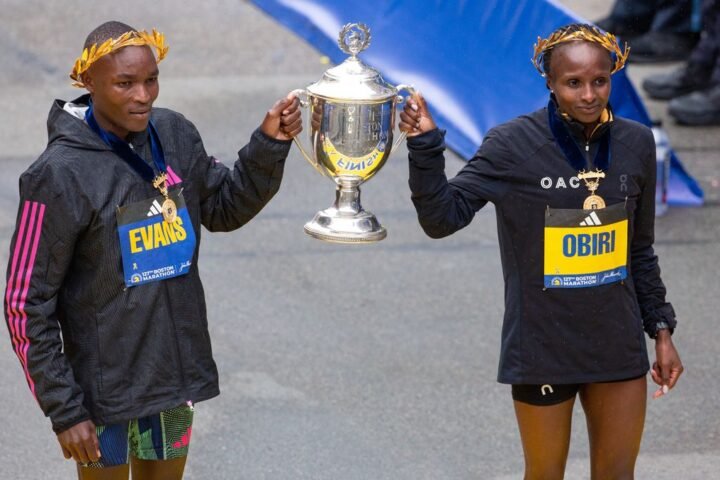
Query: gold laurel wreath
93,53
593,35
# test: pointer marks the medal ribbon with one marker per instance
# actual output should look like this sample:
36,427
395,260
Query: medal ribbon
569,147
123,150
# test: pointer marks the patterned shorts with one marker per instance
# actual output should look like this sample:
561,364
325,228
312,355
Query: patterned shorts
162,436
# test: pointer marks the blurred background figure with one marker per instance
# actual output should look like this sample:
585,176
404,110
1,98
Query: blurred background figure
657,30
694,88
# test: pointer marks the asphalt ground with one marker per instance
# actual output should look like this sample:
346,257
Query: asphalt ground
342,362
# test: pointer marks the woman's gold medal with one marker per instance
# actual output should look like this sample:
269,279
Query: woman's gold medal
592,182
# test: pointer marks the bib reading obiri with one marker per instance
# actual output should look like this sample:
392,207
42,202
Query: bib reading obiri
585,248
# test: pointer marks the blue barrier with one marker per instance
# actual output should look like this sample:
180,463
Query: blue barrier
470,58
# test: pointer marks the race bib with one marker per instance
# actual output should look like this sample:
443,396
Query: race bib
152,248
585,248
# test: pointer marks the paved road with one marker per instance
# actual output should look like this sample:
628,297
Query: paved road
336,362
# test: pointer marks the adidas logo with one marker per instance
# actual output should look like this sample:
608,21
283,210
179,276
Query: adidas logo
156,209
591,220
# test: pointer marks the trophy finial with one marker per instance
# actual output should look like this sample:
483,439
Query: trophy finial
354,38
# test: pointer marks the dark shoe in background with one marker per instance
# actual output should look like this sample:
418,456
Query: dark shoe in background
687,79
653,47
697,108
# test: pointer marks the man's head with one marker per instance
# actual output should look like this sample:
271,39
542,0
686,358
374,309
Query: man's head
119,70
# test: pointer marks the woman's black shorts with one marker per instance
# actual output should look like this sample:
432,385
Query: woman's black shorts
547,394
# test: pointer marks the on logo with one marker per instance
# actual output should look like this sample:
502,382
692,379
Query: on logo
549,389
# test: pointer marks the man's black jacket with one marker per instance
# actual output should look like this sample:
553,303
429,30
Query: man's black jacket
90,347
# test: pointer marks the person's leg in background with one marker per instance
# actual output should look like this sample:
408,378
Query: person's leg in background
702,107
629,18
673,33
697,73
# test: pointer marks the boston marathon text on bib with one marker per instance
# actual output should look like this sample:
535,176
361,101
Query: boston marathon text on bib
154,249
585,248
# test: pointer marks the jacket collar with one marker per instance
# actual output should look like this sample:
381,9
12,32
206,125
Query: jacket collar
577,129
563,133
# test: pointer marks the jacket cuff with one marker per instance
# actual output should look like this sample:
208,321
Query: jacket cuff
662,317
270,141
59,427
427,141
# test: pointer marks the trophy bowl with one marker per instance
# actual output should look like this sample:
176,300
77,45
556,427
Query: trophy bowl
351,133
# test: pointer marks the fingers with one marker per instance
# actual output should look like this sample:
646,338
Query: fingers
418,97
291,120
80,442
675,375
409,119
66,452
284,103
666,376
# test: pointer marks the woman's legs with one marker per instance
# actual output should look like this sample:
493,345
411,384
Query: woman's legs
615,414
545,435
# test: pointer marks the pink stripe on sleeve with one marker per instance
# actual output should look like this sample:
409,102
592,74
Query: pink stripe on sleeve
13,268
19,282
24,339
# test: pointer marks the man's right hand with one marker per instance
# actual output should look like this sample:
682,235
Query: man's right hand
80,442
415,119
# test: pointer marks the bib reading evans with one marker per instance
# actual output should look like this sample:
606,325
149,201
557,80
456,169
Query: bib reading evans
152,248
585,248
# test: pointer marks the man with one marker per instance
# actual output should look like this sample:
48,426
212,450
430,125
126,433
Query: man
104,303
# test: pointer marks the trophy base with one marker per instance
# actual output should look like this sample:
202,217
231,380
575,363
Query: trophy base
332,226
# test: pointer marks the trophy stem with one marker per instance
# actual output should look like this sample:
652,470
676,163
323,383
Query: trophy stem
346,221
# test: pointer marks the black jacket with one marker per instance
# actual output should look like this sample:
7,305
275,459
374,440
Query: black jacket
553,335
91,348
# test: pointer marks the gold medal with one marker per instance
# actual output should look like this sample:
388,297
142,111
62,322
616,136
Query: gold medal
169,210
592,182
168,207
594,202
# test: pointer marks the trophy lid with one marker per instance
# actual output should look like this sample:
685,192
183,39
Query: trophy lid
352,79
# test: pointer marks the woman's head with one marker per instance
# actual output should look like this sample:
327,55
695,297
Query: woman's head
577,61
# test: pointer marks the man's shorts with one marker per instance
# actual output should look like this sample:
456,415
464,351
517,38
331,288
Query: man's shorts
545,395
162,436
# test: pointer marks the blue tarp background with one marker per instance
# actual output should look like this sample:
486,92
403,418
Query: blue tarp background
470,58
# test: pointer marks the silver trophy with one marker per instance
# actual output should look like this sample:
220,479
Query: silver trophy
351,132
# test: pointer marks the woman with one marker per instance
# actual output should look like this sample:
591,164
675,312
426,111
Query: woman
574,188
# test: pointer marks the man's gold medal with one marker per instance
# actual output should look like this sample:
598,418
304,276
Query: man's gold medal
168,207
169,210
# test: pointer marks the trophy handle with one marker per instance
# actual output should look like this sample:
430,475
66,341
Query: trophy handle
302,95
398,100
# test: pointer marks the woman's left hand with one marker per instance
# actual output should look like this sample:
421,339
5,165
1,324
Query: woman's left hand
667,367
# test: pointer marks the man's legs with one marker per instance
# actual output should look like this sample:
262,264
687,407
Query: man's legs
155,446
157,469
615,414
120,472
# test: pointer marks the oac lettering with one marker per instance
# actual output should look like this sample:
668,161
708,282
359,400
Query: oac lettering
588,244
157,235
